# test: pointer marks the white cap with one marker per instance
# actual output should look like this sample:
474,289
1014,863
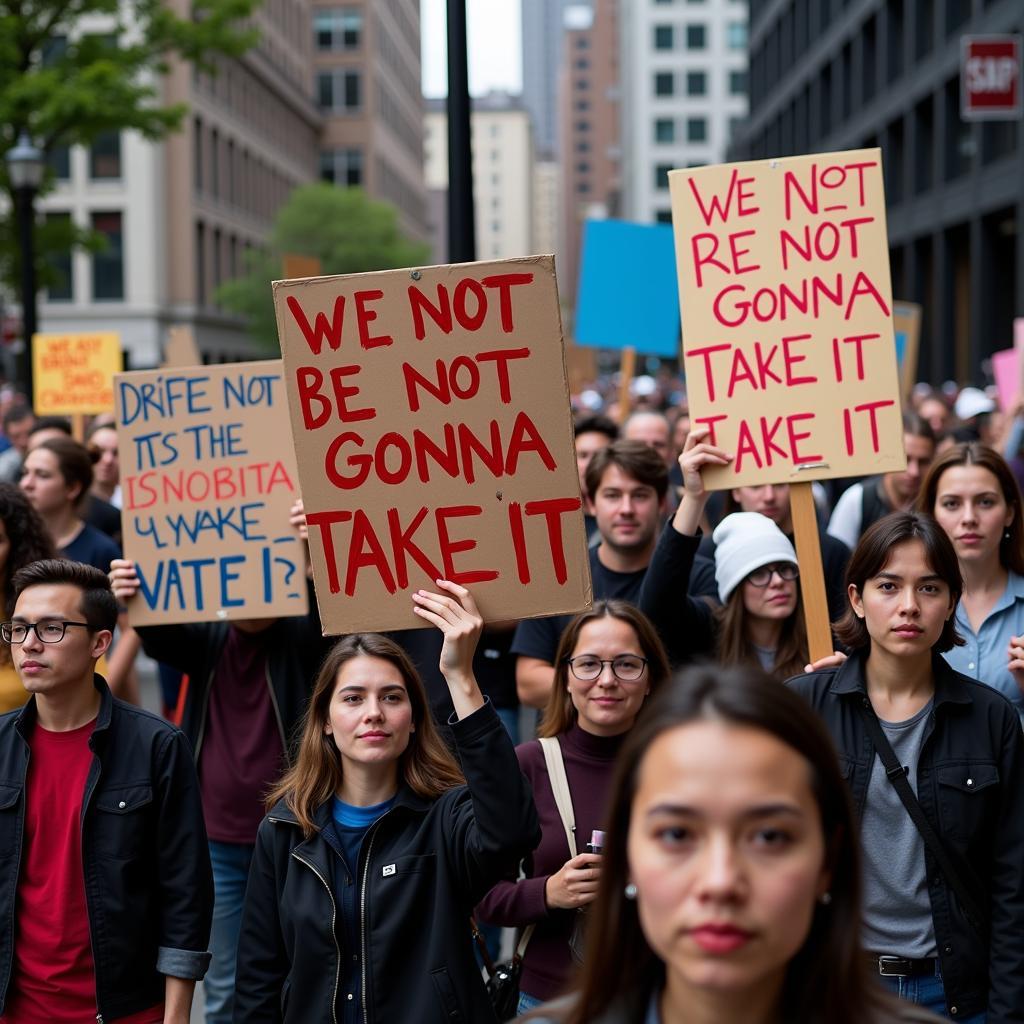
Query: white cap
972,402
746,541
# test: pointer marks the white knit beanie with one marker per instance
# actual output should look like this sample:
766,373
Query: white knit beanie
746,541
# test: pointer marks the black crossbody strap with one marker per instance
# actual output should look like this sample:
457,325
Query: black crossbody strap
898,777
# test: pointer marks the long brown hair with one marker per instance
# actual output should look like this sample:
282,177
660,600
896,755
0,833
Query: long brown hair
734,646
425,766
827,980
973,453
560,712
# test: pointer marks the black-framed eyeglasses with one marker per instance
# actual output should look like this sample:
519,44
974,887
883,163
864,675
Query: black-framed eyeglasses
762,577
49,631
627,668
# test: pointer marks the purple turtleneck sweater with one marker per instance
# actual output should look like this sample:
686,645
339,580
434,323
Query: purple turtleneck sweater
589,761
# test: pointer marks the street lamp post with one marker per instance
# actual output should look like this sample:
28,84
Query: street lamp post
25,170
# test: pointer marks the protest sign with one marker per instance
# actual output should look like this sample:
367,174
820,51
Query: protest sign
434,438
73,373
906,321
787,316
1006,373
181,348
207,481
627,293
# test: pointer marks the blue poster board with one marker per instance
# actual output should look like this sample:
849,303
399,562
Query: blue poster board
628,292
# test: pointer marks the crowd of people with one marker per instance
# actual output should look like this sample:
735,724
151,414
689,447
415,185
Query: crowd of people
674,812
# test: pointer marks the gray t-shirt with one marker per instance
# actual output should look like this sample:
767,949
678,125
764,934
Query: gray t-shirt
897,911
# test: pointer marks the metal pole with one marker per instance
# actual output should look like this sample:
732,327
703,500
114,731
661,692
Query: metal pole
461,214
25,201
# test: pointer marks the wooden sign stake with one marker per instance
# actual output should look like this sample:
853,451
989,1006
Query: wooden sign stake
812,575
626,373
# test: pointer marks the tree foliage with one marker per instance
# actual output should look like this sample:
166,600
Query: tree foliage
343,228
64,84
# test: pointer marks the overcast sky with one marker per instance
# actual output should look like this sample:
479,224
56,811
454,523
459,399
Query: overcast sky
493,38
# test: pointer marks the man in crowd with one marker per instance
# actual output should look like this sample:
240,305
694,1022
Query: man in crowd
652,428
591,434
626,485
106,892
248,684
17,423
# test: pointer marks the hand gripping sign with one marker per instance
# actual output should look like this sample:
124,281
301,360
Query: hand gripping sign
433,432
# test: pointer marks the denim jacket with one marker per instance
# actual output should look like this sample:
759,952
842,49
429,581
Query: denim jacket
970,785
148,883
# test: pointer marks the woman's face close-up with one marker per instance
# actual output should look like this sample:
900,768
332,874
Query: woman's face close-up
906,604
776,599
370,715
607,705
42,482
971,508
727,854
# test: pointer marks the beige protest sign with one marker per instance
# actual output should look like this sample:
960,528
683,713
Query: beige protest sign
431,419
207,481
787,316
73,373
906,321
181,348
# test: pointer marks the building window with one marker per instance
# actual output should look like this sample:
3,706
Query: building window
664,37
200,264
737,83
342,166
696,83
105,156
664,83
583,188
108,265
661,175
215,163
340,28
583,167
696,37
59,161
60,288
197,154
696,129
736,35
582,64
340,91
582,105
664,129
583,147
663,216
583,126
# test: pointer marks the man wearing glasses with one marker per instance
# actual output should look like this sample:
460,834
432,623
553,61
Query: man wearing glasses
105,886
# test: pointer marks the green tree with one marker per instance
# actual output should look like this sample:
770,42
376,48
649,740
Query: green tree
343,228
63,86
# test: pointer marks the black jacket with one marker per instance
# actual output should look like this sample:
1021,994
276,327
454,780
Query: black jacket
970,784
148,883
424,865
295,648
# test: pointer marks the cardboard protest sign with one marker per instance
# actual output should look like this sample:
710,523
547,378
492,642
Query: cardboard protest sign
181,348
787,316
207,481
432,426
73,374
906,321
627,288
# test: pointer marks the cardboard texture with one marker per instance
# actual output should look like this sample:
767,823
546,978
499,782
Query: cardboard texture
208,478
431,419
627,288
74,373
181,348
906,322
787,316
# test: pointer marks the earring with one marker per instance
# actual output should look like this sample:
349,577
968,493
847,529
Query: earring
630,891
825,899
1006,534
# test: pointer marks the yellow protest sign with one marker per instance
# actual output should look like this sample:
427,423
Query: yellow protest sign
74,373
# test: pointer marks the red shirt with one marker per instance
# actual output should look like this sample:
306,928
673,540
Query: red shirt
52,979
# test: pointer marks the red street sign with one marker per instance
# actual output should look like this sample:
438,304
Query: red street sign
990,86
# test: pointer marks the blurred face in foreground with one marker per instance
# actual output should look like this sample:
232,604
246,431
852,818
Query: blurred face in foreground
726,851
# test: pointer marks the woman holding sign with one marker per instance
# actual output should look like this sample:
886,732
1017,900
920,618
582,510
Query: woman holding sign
377,844
761,619
973,494
935,763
